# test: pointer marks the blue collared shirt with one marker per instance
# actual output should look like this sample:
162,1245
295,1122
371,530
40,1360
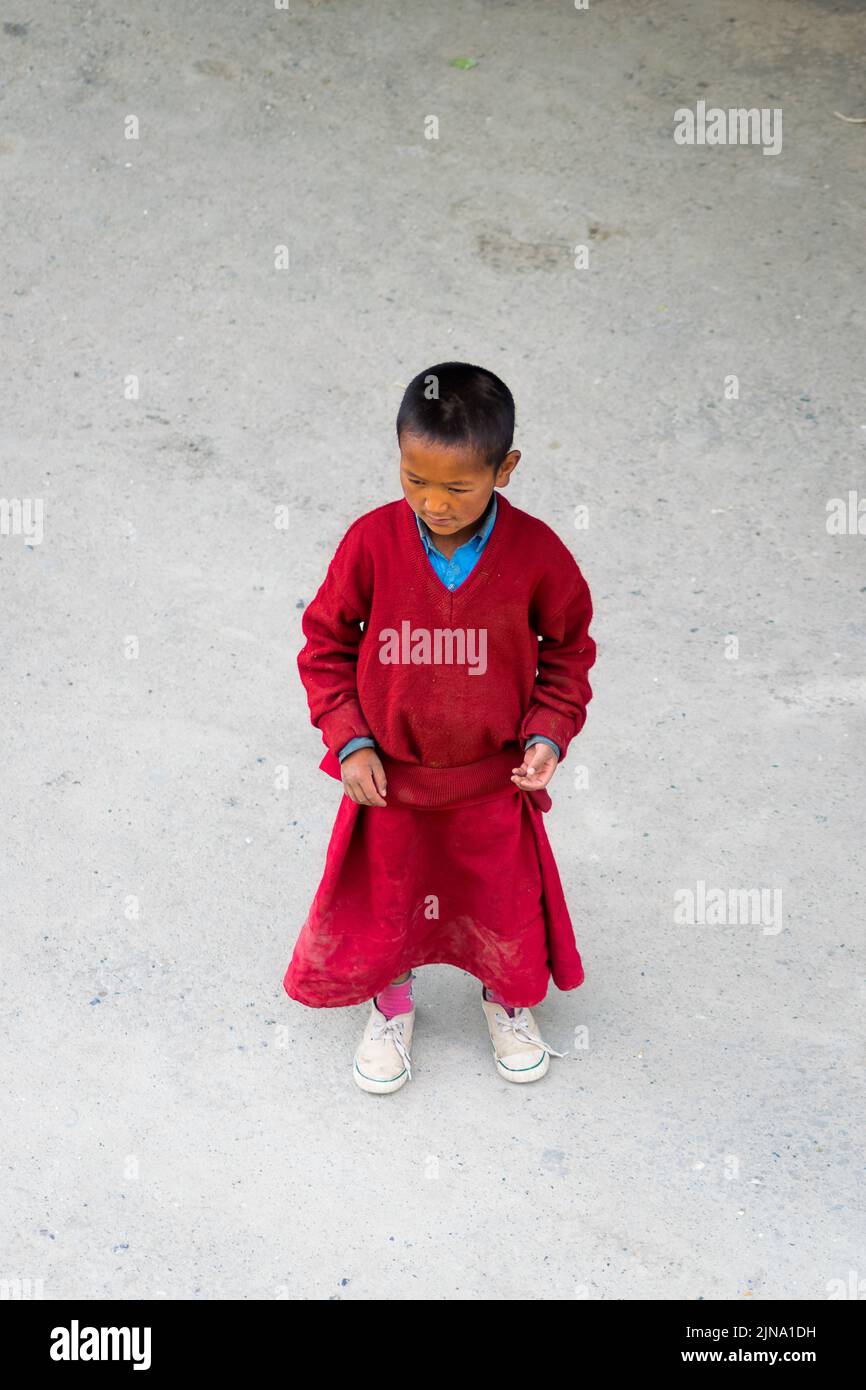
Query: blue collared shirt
452,574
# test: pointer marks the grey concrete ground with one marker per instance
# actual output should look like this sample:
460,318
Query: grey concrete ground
174,1125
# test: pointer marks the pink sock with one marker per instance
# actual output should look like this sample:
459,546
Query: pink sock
497,999
396,999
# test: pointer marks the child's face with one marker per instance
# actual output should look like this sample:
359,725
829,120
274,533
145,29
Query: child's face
449,488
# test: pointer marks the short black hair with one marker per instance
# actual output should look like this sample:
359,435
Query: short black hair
458,403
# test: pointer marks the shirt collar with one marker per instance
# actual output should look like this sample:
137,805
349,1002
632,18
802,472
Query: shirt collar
484,529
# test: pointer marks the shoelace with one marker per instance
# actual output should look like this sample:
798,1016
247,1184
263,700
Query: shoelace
392,1029
519,1026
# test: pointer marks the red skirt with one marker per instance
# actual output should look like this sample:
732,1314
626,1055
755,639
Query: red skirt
473,885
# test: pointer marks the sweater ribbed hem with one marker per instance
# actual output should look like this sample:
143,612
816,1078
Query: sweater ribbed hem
409,784
412,785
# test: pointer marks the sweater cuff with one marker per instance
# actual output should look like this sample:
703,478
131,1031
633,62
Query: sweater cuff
559,729
343,724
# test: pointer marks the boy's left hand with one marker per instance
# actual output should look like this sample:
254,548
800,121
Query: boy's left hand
537,768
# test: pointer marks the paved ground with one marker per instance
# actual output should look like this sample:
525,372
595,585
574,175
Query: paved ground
175,1125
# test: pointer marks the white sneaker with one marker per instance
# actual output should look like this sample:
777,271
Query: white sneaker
521,1055
382,1062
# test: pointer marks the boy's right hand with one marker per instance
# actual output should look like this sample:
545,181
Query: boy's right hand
364,777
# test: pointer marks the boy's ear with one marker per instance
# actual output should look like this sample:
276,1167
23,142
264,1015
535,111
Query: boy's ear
506,468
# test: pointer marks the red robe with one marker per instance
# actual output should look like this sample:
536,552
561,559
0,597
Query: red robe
457,868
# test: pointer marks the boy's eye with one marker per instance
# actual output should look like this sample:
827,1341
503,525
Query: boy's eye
416,482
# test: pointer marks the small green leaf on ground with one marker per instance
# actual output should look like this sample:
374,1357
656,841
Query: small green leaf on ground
463,62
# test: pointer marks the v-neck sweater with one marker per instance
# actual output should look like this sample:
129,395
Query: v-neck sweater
393,655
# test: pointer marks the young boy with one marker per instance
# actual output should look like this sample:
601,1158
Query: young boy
445,664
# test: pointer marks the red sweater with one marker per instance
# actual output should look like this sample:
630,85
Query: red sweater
448,682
